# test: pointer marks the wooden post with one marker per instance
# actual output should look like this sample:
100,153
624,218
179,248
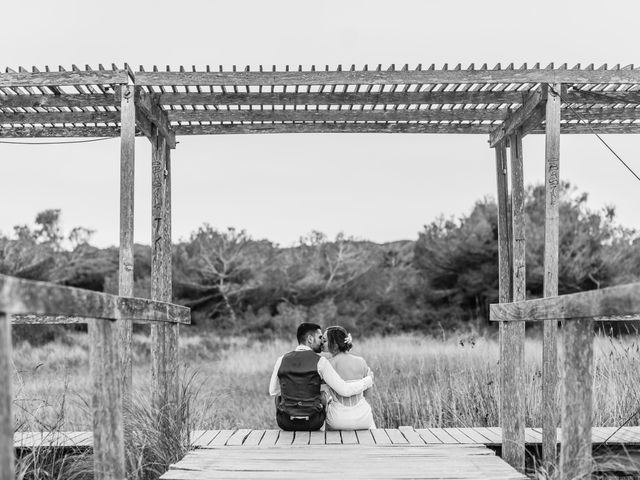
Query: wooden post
509,386
577,397
164,337
108,434
550,288
127,188
513,400
6,399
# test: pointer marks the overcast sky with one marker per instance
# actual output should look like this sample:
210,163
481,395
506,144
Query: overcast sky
371,186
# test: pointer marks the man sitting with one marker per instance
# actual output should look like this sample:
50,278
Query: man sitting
296,380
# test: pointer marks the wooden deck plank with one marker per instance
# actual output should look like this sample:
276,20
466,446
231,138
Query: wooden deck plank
442,434
84,440
365,437
285,438
380,436
269,438
411,435
625,436
301,438
332,437
349,437
254,437
474,435
206,438
459,436
317,437
395,436
532,436
221,438
428,437
496,433
238,437
195,435
347,461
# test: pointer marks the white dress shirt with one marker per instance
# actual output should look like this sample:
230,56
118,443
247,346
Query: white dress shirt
328,374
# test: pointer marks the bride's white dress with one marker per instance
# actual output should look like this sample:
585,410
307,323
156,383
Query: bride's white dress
349,413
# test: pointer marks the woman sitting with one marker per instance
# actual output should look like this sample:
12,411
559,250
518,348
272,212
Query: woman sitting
347,413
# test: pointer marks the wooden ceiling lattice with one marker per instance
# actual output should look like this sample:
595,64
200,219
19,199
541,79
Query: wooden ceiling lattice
86,102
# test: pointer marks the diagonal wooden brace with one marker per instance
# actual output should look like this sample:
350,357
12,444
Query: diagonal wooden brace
526,118
148,107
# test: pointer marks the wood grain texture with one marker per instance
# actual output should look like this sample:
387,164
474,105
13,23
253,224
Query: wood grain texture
75,77
58,117
388,77
106,400
340,98
149,107
69,100
6,400
19,296
515,120
550,279
164,338
577,399
331,128
512,399
54,132
507,381
613,302
125,265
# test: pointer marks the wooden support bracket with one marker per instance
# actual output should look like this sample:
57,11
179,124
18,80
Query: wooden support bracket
532,108
148,107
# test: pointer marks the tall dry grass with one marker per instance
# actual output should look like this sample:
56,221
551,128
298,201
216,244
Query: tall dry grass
420,381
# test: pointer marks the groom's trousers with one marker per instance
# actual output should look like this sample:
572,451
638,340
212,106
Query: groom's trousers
301,423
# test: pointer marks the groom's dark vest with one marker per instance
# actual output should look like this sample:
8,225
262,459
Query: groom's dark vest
300,383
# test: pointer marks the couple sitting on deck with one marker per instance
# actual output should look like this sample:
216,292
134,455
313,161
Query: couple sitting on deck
303,402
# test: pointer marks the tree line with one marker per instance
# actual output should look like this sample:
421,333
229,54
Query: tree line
442,281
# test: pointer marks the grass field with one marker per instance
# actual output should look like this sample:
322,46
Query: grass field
420,381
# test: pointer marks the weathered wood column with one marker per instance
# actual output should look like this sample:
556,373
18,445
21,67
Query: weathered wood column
550,288
106,399
514,332
6,399
164,336
127,189
577,398
512,452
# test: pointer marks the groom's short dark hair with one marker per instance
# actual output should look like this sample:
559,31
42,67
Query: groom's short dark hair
305,329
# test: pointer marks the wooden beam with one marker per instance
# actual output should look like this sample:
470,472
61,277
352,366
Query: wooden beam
149,107
164,339
340,98
106,400
577,399
58,117
610,302
76,77
550,283
127,193
514,120
6,400
388,77
33,319
63,100
52,132
513,335
331,128
457,114
504,293
18,296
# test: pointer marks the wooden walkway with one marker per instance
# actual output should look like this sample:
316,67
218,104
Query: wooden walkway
488,436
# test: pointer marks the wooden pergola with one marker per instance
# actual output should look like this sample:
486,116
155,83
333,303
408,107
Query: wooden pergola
503,103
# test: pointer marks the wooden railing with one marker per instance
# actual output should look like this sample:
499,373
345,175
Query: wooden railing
578,312
24,301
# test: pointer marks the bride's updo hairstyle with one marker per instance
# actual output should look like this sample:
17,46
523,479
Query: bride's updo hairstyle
338,340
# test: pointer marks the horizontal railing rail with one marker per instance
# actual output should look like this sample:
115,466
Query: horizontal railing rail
32,302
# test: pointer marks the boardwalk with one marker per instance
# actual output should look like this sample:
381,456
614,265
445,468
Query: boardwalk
487,436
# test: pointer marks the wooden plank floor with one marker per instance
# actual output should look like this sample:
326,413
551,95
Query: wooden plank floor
627,436
352,461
